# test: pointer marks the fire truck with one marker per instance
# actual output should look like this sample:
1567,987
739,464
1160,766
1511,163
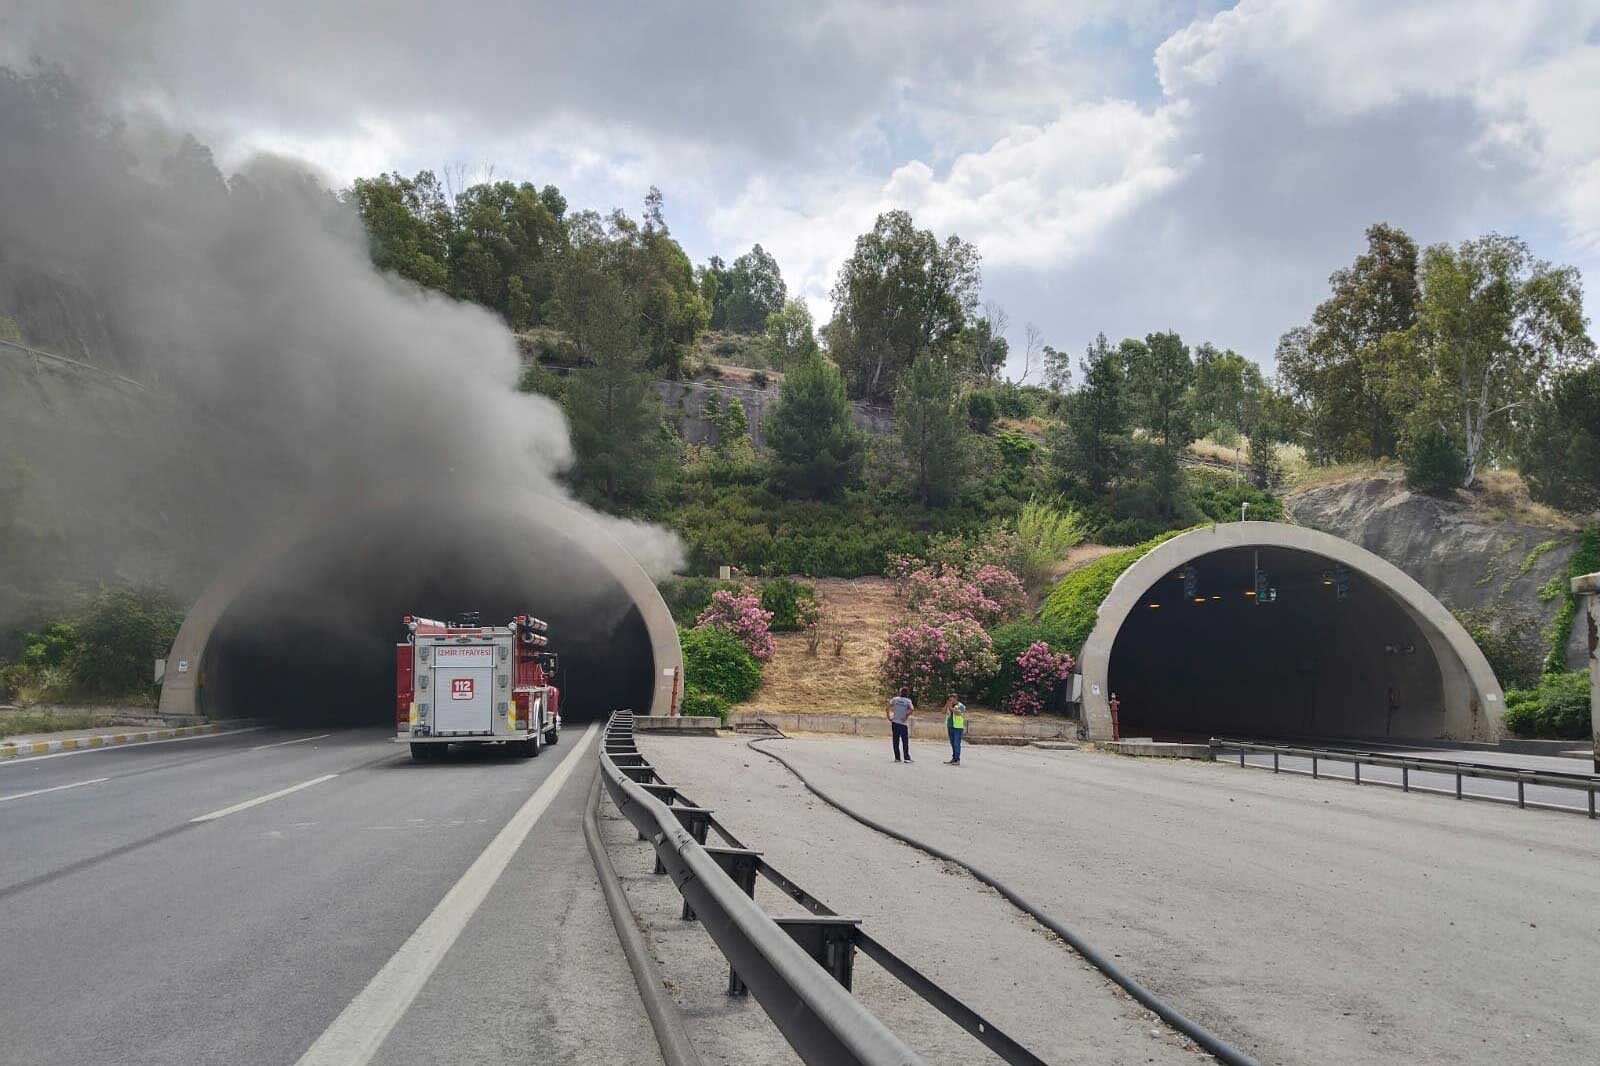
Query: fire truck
466,683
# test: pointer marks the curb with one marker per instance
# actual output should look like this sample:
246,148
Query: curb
103,740
666,1017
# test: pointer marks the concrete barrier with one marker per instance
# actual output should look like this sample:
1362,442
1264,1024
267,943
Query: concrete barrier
1151,749
678,723
862,725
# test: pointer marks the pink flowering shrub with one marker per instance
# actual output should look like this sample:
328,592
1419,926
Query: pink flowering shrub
740,613
900,567
1003,588
1039,670
943,654
948,593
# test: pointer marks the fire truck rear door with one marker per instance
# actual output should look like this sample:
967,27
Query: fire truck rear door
463,685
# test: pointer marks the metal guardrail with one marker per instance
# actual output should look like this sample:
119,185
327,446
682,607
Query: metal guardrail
799,969
1406,764
51,357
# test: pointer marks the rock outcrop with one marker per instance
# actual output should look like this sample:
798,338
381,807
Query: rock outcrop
1464,553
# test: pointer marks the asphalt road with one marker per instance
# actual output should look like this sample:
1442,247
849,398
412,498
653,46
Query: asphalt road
1309,922
276,897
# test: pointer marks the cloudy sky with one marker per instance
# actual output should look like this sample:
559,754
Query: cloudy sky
1122,165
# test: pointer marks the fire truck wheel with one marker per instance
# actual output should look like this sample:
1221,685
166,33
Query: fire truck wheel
528,748
553,736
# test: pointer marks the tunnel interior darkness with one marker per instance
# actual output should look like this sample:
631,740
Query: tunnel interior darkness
311,640
1308,664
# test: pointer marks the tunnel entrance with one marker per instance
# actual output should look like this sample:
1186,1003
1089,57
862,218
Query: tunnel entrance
1216,662
309,641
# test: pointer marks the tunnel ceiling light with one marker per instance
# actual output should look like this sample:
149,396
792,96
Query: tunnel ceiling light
1216,597
1199,599
1153,606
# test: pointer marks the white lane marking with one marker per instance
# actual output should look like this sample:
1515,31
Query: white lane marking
247,804
21,759
282,743
360,1029
58,788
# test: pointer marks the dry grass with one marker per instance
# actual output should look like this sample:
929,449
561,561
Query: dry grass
1206,448
793,681
1033,426
1504,494
1313,477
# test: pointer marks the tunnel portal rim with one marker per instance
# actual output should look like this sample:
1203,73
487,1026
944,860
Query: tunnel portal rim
1472,697
181,689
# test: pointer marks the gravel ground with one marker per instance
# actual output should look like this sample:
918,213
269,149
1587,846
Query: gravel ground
1308,922
931,914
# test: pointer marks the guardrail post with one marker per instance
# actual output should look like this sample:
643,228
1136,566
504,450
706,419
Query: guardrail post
1357,764
1458,784
1591,803
1520,801
1274,761
696,820
740,864
828,938
1405,779
1313,766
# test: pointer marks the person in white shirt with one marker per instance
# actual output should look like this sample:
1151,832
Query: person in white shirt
899,712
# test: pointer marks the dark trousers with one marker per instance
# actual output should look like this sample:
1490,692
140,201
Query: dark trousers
902,739
955,743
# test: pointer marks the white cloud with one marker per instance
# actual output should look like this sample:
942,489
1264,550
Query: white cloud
1121,166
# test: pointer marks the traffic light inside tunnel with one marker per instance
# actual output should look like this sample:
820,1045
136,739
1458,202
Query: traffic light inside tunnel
311,641
1305,649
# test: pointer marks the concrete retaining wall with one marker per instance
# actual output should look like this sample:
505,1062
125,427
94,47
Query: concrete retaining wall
921,728
678,723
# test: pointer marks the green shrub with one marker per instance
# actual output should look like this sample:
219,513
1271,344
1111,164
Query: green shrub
1046,535
715,661
982,410
792,603
1018,451
1010,641
1069,611
686,597
698,702
1585,560
107,652
1013,400
1218,498
1434,464
1511,641
119,638
1558,707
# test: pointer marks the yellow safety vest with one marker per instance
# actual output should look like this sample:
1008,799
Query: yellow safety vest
955,719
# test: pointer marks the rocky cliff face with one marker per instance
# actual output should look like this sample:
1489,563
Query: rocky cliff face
1462,552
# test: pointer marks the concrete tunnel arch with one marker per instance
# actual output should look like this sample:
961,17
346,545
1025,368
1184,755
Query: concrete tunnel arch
396,534
1224,671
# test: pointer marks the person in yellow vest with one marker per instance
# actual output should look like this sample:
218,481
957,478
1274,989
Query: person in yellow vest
955,721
